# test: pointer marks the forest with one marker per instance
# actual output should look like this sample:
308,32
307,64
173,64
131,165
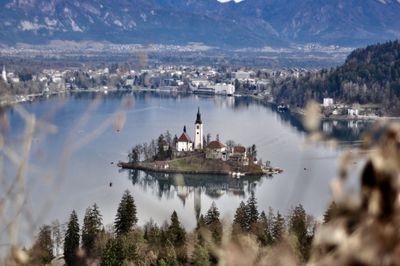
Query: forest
126,243
369,75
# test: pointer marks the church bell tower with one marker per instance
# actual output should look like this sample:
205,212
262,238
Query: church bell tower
198,129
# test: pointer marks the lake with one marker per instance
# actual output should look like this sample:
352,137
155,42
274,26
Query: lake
73,168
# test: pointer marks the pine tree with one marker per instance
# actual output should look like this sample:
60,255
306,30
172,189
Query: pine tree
213,222
241,219
42,250
264,233
278,227
119,251
113,253
212,215
176,234
252,212
152,233
171,257
71,241
330,212
298,226
297,222
126,214
92,224
200,256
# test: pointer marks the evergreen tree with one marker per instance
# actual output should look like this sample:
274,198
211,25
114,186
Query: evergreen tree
213,222
241,219
42,250
251,210
200,256
170,257
119,251
92,224
298,226
113,253
278,227
264,230
176,233
152,233
330,212
71,241
212,215
126,214
297,222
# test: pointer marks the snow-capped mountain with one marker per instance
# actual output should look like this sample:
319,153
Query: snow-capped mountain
247,23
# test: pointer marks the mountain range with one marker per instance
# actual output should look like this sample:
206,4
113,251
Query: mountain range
249,23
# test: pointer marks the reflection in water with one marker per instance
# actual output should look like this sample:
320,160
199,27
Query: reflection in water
167,185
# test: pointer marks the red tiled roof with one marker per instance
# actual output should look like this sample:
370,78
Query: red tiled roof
215,145
184,138
239,149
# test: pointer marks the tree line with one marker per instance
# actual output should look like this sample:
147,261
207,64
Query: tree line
169,244
369,75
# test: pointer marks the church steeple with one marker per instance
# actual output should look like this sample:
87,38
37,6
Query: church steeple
4,74
184,129
198,118
198,129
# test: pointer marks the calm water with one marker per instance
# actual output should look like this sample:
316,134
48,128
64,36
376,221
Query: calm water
57,183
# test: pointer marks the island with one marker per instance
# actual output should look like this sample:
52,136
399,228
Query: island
181,155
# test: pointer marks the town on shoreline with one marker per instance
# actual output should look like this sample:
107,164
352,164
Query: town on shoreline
22,85
200,156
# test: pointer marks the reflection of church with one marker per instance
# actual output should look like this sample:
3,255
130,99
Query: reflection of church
165,185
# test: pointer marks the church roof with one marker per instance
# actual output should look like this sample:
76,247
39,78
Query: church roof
239,149
215,145
198,118
184,138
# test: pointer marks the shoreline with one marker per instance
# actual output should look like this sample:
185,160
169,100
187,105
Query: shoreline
17,99
135,166
301,112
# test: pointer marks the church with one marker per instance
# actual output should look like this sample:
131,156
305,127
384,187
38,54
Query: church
185,144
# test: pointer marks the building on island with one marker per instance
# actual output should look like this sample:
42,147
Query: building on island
4,74
198,129
239,154
328,102
184,142
216,150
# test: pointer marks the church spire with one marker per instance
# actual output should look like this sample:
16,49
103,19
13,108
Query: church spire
4,74
198,118
184,129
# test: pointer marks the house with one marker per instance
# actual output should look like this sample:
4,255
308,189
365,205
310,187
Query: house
242,75
239,154
328,102
352,112
184,142
215,150
223,88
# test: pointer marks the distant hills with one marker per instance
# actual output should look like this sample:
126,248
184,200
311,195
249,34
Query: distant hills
250,23
370,75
